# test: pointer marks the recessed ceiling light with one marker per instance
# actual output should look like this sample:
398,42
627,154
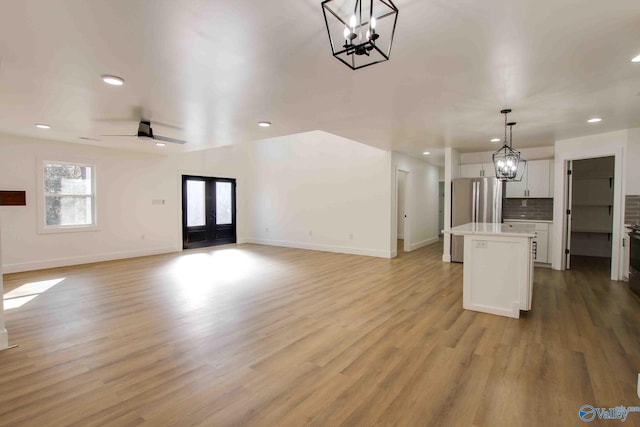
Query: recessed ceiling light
426,153
112,80
43,126
594,120
636,59
495,140
160,144
264,124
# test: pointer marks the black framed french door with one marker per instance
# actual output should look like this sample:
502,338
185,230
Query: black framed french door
208,211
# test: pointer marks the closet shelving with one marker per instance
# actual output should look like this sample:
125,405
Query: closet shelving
592,205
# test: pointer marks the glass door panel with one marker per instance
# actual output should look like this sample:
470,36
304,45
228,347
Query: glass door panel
223,203
196,204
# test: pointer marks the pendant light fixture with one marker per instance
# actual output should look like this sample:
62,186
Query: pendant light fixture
508,163
360,31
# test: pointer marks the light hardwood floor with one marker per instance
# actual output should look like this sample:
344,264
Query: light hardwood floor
258,335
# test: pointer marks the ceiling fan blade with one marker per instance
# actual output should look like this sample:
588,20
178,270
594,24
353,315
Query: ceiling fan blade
167,139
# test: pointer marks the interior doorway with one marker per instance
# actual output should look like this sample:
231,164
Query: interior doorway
590,198
580,151
403,232
208,211
440,207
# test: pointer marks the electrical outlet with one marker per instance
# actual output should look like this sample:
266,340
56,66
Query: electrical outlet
142,237
524,203
310,232
351,236
481,244
266,229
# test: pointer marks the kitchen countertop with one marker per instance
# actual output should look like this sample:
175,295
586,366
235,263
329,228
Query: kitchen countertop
492,229
547,221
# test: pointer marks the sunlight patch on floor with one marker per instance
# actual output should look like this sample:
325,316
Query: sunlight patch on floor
21,295
201,276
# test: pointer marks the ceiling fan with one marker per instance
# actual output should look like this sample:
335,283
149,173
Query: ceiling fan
145,131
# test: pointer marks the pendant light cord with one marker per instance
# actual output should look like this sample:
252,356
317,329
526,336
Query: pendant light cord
511,136
505,128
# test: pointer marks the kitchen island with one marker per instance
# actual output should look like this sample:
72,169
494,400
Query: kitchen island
498,267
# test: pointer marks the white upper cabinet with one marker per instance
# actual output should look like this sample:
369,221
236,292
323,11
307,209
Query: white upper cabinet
518,189
471,171
537,181
476,170
489,170
539,178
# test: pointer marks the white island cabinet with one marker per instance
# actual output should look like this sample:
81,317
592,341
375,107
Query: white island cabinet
498,267
542,242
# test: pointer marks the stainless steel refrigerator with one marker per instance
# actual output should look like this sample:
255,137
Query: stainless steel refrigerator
474,200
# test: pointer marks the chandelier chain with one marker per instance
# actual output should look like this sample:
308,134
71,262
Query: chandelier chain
505,128
510,136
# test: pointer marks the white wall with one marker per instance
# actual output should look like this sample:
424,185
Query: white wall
422,197
4,336
338,189
319,191
126,184
451,171
633,161
402,182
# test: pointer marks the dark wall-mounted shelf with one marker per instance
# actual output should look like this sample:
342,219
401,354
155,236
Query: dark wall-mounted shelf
13,198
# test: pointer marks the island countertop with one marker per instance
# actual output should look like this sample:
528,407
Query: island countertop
492,229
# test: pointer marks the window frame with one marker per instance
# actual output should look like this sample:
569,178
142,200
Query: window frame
43,228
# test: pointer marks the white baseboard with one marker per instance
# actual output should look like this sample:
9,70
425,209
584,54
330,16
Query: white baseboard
323,248
4,338
86,259
446,258
423,243
542,265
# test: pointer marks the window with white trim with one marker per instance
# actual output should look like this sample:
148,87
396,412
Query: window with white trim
69,195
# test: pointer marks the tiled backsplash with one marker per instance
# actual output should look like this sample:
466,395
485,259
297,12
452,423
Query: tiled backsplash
536,209
632,210
542,209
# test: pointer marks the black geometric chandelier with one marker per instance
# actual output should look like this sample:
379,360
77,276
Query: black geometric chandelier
360,31
508,163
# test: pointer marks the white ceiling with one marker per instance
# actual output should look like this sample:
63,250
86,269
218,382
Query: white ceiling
213,69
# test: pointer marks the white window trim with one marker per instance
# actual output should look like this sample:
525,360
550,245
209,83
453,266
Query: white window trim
41,205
